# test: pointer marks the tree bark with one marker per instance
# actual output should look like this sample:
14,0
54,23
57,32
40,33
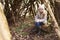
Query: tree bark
57,29
4,30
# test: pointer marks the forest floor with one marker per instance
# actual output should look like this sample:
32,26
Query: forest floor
30,35
27,32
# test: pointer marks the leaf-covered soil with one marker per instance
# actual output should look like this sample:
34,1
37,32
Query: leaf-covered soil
27,31
29,34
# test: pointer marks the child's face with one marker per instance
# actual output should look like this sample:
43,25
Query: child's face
40,10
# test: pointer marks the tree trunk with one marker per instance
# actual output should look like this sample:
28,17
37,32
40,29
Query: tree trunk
4,30
57,29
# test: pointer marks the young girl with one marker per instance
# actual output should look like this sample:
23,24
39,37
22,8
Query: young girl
41,17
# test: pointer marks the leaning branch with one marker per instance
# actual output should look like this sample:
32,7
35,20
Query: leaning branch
57,29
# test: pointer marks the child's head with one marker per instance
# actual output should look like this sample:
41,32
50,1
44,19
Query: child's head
41,8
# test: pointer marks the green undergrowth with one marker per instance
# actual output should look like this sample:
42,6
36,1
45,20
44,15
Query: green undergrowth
26,24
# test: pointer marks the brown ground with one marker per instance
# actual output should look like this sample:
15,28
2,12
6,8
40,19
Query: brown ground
26,32
32,35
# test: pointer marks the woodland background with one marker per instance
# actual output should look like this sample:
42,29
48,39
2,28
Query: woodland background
20,16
